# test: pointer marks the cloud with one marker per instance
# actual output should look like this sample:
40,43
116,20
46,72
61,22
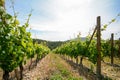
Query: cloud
49,35
67,14
68,17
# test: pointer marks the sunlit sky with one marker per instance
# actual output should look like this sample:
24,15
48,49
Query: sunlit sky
56,20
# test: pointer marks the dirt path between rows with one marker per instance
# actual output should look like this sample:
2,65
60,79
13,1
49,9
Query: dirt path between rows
47,67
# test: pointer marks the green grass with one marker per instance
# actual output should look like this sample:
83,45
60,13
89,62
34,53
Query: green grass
116,60
63,70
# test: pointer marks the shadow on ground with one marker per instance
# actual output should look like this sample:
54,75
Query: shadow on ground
86,72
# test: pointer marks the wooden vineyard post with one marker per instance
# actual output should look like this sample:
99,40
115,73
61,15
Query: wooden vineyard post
98,47
112,45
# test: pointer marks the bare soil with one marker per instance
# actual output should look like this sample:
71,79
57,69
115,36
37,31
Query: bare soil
54,67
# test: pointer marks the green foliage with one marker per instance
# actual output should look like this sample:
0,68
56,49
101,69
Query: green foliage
16,43
73,48
110,22
92,52
79,48
51,44
106,47
12,42
41,50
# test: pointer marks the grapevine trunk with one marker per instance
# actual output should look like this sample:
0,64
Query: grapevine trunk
6,75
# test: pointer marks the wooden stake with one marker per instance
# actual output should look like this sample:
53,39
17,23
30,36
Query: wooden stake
99,47
112,45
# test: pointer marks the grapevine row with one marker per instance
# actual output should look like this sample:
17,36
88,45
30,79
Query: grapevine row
16,44
94,48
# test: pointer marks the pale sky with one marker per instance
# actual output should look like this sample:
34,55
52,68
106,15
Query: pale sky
63,19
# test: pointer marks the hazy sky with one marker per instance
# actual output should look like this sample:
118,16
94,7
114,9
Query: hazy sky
64,19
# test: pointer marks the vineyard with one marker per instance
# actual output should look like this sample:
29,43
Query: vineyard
16,44
94,49
20,56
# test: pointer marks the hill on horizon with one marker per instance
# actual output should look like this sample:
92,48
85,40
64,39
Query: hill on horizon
53,44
